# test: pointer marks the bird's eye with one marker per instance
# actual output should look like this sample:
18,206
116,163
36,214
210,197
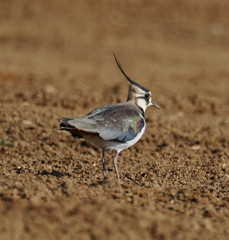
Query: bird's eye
147,95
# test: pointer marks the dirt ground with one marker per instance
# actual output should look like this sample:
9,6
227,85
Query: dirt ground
56,60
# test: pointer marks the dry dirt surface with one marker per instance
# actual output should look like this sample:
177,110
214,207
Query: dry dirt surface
56,60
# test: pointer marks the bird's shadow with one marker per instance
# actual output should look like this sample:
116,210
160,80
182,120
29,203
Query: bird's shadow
54,173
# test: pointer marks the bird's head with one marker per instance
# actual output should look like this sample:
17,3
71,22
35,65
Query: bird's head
138,94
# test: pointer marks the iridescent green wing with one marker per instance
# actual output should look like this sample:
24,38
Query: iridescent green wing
119,123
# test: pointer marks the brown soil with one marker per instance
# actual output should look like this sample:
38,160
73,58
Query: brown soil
56,61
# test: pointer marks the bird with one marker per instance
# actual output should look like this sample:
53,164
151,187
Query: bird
114,127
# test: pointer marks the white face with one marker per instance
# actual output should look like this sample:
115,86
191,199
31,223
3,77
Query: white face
143,100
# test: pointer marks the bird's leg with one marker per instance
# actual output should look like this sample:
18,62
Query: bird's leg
115,164
104,162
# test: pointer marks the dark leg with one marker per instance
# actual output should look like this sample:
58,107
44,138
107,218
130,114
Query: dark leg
104,162
115,164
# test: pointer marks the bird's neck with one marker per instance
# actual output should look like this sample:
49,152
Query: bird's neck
141,110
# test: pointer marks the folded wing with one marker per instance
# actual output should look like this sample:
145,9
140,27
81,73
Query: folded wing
119,122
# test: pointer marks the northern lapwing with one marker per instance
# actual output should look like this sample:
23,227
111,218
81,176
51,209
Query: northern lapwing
114,127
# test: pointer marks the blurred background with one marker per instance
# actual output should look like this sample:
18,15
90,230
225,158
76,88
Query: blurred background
168,46
163,44
70,37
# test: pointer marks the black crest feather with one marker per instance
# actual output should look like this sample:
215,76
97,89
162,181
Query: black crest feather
131,81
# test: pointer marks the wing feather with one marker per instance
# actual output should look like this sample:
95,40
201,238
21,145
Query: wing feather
84,124
120,122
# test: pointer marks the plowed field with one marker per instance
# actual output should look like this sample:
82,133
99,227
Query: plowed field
56,60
